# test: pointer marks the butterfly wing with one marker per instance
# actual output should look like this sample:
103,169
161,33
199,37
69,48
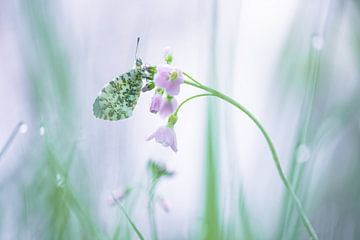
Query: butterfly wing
118,98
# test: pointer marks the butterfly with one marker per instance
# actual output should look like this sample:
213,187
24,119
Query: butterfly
118,98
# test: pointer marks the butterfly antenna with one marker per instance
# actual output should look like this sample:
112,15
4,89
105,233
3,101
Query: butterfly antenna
137,46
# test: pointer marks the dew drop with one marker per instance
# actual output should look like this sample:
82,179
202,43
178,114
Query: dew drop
23,128
42,131
60,180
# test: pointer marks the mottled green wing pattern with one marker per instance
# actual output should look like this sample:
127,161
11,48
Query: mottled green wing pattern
118,98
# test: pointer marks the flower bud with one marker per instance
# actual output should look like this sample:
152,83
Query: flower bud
148,86
172,120
151,69
160,91
168,55
156,103
138,62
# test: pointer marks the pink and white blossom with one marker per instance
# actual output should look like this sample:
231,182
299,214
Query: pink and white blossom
169,78
166,136
168,106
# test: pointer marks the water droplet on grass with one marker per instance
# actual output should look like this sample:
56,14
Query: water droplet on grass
42,131
60,181
23,128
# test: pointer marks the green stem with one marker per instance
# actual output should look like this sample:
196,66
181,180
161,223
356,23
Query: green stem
190,98
275,157
192,79
151,211
137,231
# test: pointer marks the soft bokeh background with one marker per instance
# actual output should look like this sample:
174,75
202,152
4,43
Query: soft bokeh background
294,64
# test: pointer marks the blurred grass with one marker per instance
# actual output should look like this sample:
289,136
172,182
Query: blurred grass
212,220
237,220
317,119
302,142
57,198
53,208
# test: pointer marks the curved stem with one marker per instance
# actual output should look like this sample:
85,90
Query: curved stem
274,154
190,98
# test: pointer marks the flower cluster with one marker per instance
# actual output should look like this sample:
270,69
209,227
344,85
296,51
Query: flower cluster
167,81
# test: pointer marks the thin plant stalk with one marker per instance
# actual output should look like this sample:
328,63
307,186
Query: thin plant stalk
132,224
190,98
11,138
274,154
307,110
151,211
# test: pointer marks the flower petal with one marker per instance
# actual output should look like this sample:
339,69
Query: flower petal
168,107
165,136
173,89
156,103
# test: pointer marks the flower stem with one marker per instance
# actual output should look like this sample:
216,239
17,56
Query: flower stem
190,98
151,211
192,79
132,224
274,154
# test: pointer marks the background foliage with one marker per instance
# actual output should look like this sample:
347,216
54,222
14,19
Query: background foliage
295,64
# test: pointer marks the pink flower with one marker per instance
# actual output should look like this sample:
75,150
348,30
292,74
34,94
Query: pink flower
156,103
169,78
168,106
166,136
164,205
